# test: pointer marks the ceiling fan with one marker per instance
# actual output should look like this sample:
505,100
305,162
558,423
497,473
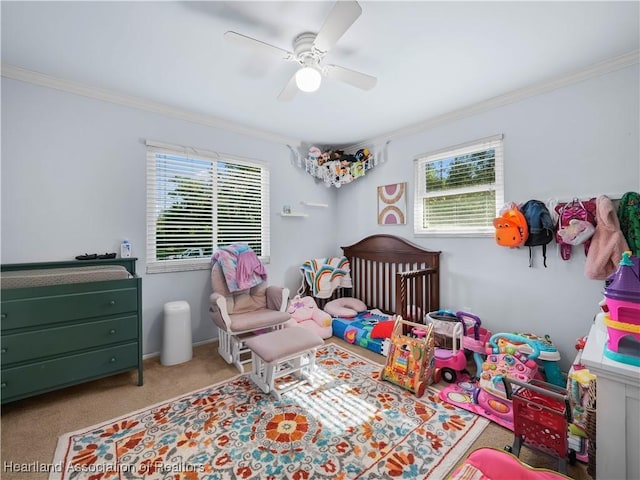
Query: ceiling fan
309,49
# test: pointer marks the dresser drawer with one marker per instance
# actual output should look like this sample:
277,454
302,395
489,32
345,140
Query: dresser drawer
19,347
38,377
39,311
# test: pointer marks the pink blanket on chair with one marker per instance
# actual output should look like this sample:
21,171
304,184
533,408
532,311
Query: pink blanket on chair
240,265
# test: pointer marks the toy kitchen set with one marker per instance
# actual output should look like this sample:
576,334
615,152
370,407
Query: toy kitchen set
612,353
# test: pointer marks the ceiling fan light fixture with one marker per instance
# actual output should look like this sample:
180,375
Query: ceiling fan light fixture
308,79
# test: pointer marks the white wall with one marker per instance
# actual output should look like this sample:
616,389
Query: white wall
579,140
73,182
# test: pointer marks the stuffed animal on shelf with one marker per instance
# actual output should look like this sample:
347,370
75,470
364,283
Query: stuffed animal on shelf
324,158
305,313
362,154
315,153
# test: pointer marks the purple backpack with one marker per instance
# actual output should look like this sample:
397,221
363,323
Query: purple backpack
576,209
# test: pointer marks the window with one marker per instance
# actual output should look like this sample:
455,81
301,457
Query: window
197,201
459,190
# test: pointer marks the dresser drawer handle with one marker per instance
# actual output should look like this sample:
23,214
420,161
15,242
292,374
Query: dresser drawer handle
4,350
112,331
112,302
113,360
3,384
4,315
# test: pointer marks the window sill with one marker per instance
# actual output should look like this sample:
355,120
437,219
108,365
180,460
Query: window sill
154,267
178,266
451,234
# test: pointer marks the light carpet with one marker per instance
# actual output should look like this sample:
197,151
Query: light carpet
344,424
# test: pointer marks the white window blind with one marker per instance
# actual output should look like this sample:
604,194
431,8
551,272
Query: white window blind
459,190
198,201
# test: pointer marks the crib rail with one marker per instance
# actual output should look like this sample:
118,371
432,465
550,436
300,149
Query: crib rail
417,293
393,275
395,288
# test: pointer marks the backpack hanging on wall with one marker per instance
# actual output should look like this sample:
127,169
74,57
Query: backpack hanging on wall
576,225
629,217
511,227
541,227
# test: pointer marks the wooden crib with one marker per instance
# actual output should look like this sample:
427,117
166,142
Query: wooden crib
393,275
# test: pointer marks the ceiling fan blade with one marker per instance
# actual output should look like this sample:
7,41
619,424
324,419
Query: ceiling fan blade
341,17
357,79
257,45
289,91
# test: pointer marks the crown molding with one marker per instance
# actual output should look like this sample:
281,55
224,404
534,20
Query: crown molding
595,70
43,80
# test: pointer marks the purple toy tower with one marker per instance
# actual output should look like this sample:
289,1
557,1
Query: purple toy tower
623,319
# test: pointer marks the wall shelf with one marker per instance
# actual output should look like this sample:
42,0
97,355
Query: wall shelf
293,214
315,204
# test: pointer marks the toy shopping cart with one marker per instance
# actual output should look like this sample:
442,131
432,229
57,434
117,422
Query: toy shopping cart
541,417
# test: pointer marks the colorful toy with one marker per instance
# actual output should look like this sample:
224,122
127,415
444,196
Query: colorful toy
410,363
493,464
337,168
623,320
504,360
475,338
579,384
549,354
449,361
305,313
362,154
315,153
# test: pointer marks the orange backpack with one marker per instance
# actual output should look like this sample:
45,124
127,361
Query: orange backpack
511,228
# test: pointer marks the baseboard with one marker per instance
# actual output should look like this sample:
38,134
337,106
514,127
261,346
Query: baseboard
147,356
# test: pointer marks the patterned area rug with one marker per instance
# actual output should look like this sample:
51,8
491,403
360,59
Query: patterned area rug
344,424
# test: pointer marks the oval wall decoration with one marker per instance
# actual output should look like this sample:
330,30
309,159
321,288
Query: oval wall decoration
392,204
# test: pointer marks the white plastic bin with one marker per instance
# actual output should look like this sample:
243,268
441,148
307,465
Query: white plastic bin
176,342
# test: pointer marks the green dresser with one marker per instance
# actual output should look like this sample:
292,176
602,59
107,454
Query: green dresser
54,336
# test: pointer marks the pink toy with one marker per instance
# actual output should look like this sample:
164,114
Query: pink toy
623,319
475,337
449,362
502,360
305,313
491,464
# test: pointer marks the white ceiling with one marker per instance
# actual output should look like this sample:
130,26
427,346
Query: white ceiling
430,58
